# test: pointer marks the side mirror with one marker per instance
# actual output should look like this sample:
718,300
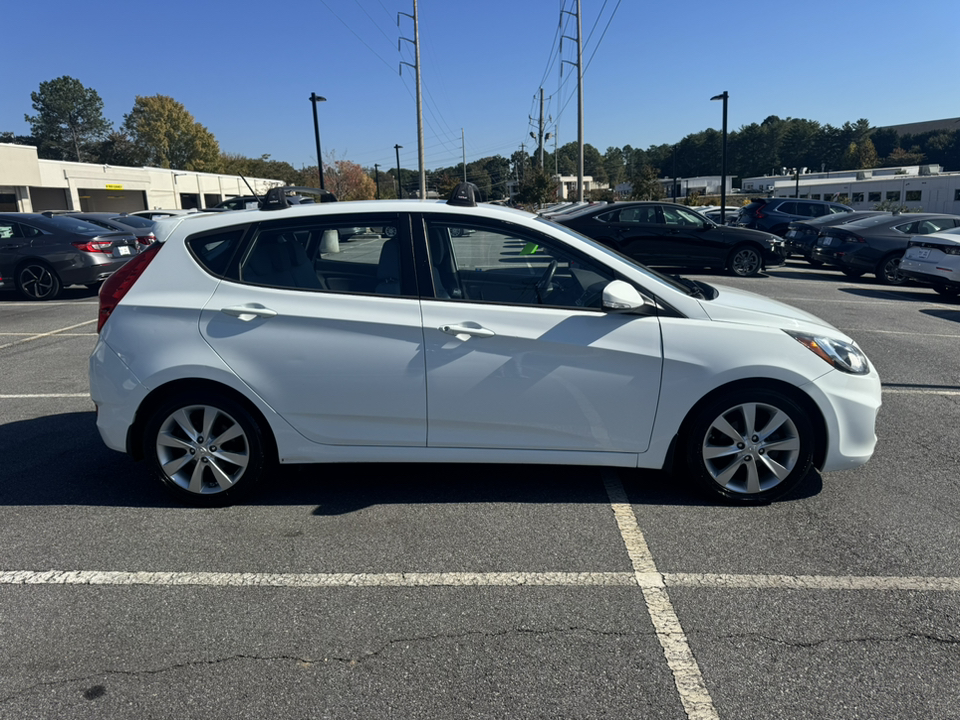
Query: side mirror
620,296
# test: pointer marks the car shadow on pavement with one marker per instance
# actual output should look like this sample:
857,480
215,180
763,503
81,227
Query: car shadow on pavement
943,313
72,292
888,292
61,460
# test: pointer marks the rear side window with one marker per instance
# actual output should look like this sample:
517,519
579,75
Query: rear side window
788,208
215,251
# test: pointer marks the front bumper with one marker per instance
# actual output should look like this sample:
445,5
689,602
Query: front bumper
850,404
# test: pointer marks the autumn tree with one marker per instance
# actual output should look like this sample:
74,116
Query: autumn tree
348,181
169,137
69,120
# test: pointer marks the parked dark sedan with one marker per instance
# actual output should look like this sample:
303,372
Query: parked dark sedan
802,235
40,255
655,233
140,226
876,244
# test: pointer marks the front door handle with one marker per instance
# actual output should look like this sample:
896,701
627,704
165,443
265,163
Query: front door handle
249,312
462,332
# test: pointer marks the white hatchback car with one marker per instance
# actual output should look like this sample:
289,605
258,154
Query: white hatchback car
934,259
249,338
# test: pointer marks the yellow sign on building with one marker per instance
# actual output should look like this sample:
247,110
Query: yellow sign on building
114,187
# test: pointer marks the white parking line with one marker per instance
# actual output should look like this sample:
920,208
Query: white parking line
691,687
645,580
47,334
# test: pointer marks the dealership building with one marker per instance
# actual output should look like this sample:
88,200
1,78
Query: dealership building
29,184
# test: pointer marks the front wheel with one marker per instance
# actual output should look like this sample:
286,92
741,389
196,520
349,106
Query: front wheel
37,281
744,261
750,446
205,448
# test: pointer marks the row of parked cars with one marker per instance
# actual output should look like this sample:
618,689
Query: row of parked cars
41,253
894,247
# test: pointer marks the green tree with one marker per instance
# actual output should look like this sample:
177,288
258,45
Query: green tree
69,120
168,136
538,187
646,185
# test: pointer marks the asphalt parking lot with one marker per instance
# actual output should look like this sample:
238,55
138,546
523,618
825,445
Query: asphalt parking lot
484,592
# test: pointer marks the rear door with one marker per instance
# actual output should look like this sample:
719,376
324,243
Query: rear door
328,333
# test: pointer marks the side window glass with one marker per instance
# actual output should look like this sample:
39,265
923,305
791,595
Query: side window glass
328,254
499,265
215,251
645,215
788,208
8,230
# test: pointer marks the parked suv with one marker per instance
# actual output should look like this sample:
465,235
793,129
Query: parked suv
774,215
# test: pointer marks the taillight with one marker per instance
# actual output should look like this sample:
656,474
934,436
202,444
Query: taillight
97,246
854,238
148,239
118,284
759,215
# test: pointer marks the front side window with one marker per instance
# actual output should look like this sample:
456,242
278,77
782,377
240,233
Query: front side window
503,264
680,216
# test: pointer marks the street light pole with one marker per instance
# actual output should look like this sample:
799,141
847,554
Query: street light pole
376,177
399,186
314,98
723,159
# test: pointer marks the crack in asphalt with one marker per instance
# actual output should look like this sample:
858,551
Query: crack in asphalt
97,689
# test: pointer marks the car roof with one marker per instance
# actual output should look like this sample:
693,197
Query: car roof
884,221
203,222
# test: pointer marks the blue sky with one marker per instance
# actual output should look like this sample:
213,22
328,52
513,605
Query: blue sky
246,69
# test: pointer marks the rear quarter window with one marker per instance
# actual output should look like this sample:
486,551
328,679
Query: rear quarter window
215,251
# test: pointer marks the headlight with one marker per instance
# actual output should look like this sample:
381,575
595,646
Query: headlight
841,355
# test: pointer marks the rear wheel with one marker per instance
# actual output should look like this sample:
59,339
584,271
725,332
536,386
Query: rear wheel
947,290
206,448
750,446
744,261
853,274
37,281
888,271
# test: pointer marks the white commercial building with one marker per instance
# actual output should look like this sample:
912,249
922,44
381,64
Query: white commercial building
29,184
919,187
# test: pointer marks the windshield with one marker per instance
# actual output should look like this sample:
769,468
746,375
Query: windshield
674,281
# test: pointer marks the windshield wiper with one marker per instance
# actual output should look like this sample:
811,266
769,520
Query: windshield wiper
694,289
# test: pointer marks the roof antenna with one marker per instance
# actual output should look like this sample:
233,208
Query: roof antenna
252,191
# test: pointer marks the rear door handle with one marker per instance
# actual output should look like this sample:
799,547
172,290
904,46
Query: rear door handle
463,331
249,312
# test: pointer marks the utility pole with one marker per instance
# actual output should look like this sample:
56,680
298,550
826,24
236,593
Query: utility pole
416,68
399,186
540,137
579,65
314,98
376,177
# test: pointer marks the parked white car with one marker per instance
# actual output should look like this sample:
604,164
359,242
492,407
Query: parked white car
245,339
934,259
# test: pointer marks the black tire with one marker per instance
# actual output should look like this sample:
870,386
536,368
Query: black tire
950,291
728,455
815,263
852,274
212,470
744,261
36,280
888,270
